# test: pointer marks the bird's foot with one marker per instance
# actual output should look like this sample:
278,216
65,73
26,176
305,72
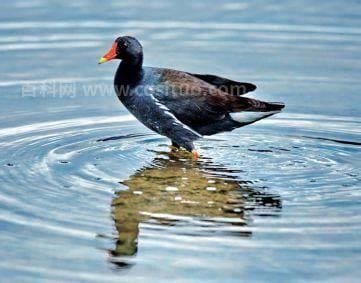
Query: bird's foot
195,154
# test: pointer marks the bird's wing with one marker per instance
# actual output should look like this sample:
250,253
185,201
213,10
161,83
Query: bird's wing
196,102
226,85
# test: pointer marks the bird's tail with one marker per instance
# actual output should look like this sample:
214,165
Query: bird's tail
259,110
274,106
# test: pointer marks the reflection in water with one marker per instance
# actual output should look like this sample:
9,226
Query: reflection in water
177,191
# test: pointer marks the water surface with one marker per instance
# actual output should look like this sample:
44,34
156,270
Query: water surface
88,194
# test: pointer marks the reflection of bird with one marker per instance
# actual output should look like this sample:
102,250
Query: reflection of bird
175,186
180,105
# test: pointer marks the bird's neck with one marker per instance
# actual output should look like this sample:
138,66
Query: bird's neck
130,71
134,61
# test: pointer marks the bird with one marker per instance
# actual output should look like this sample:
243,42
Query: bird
180,105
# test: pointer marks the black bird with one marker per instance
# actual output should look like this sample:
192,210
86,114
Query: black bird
179,105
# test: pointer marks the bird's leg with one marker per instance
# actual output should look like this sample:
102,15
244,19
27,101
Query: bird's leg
174,144
174,147
190,147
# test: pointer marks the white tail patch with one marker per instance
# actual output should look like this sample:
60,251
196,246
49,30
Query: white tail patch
249,117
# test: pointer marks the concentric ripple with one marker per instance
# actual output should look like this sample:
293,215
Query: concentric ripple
251,192
89,195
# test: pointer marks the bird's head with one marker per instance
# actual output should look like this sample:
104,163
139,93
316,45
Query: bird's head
125,48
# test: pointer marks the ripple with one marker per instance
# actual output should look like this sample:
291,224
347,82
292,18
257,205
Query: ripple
59,177
90,195
180,24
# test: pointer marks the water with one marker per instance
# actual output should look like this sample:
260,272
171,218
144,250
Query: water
89,194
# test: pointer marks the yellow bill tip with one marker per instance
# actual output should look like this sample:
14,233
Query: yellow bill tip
102,60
